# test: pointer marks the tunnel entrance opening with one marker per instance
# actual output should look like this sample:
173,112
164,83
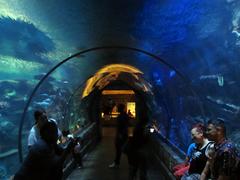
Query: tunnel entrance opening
112,85
108,106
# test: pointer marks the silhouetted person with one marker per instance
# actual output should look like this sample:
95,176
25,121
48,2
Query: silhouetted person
77,154
107,109
121,134
42,161
223,162
130,114
136,153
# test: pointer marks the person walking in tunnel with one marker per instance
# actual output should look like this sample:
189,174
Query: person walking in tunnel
77,156
136,153
199,157
223,162
121,134
42,161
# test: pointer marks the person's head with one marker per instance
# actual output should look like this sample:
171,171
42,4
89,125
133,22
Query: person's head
121,108
216,129
65,133
198,133
40,118
49,132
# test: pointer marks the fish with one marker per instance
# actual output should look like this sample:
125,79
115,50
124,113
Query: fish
4,105
237,108
202,77
44,103
10,94
40,76
44,94
232,82
220,79
8,153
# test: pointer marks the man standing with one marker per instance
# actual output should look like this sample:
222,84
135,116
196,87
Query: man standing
41,118
121,134
34,134
223,162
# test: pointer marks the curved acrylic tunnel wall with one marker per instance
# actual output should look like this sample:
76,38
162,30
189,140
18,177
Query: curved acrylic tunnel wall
54,94
175,103
168,88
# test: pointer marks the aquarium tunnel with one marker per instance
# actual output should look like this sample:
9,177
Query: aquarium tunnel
173,64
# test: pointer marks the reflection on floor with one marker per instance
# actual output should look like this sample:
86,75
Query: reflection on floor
96,163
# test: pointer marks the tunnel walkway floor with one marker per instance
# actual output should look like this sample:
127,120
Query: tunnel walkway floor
96,163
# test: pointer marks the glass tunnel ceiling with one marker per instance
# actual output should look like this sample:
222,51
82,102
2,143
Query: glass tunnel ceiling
200,38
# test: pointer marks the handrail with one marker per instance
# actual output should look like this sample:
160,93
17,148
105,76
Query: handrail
72,95
164,139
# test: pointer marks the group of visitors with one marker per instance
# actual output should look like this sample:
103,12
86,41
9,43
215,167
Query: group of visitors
45,159
211,156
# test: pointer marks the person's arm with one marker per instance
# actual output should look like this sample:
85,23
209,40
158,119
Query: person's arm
31,139
227,165
189,153
187,159
205,171
67,150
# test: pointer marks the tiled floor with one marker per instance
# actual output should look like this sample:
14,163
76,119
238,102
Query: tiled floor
96,163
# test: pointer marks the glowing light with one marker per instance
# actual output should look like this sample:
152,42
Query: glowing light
172,73
131,109
109,72
119,67
114,92
151,130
